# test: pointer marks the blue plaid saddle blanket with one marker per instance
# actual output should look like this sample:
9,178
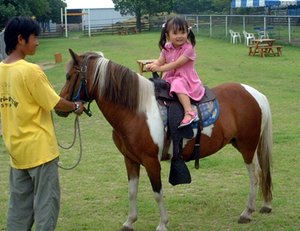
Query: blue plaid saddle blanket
209,113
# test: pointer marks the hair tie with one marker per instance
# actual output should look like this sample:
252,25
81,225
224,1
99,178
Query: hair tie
163,25
189,29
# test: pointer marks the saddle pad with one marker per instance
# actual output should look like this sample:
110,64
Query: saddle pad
209,113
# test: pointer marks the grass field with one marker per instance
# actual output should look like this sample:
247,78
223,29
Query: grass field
94,195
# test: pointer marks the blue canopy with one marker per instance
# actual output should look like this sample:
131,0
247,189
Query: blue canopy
247,3
263,3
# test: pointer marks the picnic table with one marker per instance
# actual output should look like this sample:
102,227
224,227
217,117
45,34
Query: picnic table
264,47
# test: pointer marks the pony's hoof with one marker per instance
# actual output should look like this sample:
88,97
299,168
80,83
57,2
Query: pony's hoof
244,220
265,210
124,228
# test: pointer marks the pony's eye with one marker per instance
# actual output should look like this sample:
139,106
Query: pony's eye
68,77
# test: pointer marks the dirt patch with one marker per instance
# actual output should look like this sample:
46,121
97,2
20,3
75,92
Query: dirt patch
46,65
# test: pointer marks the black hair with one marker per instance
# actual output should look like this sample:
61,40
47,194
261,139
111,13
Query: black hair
177,24
20,25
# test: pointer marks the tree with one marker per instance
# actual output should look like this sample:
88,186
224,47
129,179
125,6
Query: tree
6,11
43,10
186,6
138,8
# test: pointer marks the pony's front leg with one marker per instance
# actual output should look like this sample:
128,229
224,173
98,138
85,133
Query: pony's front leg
133,173
153,170
163,213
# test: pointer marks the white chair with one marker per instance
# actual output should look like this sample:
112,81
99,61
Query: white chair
235,37
248,38
263,34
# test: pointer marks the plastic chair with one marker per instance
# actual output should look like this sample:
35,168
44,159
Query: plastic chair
263,34
234,36
248,38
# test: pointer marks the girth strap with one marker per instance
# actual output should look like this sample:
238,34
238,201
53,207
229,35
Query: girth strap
196,151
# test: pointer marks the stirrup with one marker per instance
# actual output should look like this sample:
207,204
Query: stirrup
188,121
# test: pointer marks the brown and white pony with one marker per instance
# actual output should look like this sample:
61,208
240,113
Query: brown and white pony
127,101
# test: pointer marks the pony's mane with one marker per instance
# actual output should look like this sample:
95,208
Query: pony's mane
120,85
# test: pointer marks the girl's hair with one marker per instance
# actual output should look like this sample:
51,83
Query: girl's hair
176,24
21,25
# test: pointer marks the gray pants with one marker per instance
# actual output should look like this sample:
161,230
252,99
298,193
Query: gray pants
34,198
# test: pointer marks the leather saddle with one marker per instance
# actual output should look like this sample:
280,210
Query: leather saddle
162,92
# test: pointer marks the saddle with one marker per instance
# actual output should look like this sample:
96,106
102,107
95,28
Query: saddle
162,92
179,173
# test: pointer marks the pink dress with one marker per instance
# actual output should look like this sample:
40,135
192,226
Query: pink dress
184,79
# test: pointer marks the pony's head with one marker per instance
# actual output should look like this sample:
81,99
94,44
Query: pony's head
76,88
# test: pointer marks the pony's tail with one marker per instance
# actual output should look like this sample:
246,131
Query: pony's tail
264,153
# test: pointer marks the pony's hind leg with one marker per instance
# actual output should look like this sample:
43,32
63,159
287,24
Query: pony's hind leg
133,172
253,171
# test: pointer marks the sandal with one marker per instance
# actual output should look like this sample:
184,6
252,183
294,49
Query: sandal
192,117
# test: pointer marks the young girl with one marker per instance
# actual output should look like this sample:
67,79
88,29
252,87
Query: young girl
177,60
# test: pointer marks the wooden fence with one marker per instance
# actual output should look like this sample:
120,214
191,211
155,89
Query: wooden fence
121,28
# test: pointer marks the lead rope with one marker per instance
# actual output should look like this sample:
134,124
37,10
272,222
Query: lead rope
76,129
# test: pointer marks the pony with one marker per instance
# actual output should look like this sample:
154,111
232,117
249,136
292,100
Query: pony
128,103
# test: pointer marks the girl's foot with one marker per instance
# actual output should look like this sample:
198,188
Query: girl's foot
189,117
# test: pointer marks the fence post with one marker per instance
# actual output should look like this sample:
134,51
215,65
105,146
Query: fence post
289,26
2,46
210,26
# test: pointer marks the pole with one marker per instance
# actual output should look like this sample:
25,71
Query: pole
66,23
89,18
210,26
289,26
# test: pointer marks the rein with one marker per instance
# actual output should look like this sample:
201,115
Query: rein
76,129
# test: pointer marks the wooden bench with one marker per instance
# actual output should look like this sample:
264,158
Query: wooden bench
270,49
253,50
279,50
123,31
127,30
265,49
51,34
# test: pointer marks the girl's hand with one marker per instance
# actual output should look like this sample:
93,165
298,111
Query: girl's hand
148,66
152,67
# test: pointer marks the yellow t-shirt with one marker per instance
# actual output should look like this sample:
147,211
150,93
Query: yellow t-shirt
26,99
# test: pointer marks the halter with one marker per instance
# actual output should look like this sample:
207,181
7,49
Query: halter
83,86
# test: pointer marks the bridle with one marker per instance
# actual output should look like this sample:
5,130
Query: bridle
82,74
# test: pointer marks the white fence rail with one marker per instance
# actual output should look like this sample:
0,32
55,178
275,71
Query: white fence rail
285,29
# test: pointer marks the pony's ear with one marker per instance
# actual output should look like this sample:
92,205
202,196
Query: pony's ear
74,56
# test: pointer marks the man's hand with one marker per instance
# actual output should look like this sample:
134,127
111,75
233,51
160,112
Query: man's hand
79,107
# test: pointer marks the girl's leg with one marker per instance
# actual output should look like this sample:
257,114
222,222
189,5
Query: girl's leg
189,114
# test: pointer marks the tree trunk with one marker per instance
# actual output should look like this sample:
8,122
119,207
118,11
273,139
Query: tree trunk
138,20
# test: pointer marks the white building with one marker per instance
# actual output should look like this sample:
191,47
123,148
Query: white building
101,17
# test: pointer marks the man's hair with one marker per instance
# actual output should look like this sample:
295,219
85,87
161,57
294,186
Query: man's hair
21,25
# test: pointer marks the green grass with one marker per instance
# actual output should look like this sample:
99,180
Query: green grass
94,195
